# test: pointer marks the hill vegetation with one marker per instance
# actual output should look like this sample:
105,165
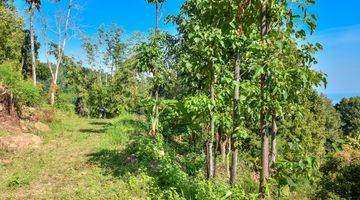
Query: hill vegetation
226,108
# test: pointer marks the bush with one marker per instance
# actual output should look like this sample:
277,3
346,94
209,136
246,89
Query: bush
65,102
341,175
24,91
349,109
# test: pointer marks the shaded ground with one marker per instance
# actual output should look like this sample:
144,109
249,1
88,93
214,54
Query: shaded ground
62,168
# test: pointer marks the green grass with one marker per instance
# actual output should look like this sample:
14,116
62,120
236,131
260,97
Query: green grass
64,167
109,159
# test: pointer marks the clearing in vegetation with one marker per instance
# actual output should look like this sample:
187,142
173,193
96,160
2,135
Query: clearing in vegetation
70,163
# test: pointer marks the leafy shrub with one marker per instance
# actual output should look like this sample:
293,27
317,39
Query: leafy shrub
24,91
11,34
81,107
349,109
64,102
341,176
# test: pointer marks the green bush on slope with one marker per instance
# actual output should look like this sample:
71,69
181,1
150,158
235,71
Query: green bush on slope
24,92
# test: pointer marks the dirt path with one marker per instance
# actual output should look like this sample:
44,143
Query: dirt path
59,169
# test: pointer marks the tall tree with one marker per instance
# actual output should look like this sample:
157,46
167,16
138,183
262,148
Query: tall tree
33,6
57,49
155,121
203,38
291,57
264,174
114,48
242,5
26,52
151,58
11,35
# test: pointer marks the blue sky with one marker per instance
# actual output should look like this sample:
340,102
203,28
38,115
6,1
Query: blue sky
338,31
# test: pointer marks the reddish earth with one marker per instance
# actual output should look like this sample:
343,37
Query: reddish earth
20,141
10,122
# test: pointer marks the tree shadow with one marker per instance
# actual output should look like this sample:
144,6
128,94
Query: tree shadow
100,123
92,131
114,162
135,123
121,162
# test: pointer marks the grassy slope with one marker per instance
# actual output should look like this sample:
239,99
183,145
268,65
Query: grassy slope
66,165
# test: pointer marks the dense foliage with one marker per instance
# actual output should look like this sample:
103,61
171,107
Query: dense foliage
229,101
349,109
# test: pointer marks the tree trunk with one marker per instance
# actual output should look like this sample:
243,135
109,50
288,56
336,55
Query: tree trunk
273,150
52,92
234,150
11,106
223,141
210,156
155,118
210,159
223,151
33,58
99,77
264,174
228,147
156,16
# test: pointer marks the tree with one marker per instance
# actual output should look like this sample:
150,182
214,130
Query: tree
156,36
57,49
27,54
349,109
157,11
237,77
264,174
33,5
151,58
11,35
203,43
114,48
280,88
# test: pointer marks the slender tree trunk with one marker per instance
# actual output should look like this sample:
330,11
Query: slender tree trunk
273,150
264,174
155,119
53,92
99,77
11,102
223,151
210,159
156,16
222,144
216,150
52,97
228,154
33,58
234,150
210,146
